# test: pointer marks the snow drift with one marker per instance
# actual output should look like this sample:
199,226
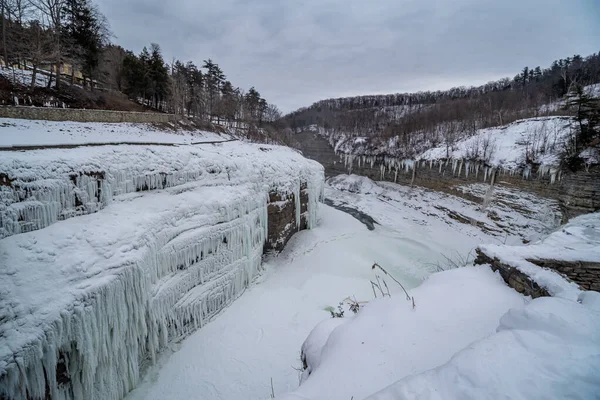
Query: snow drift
173,235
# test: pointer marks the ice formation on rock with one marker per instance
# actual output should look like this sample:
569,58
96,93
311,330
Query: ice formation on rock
87,303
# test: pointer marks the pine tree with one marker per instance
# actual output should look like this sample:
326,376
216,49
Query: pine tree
214,80
587,115
84,35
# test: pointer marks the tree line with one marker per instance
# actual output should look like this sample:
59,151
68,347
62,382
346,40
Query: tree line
456,111
49,34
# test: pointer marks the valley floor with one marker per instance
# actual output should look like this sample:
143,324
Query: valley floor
252,349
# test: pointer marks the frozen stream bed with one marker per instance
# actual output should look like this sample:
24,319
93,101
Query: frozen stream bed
258,338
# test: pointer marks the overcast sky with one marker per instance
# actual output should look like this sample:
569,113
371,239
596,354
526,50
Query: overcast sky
296,52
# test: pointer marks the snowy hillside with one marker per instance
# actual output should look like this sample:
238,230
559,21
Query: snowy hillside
174,234
511,147
536,140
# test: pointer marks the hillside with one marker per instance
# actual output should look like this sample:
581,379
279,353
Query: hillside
406,125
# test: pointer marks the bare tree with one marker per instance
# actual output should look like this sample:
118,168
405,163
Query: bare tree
52,11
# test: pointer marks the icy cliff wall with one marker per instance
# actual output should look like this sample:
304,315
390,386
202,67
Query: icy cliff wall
524,154
124,249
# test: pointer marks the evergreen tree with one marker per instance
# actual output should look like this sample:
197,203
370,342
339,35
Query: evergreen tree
84,32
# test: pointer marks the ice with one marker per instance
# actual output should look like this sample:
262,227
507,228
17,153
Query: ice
177,235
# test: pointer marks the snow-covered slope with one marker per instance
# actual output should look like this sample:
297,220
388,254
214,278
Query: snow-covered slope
176,234
576,242
536,140
510,147
548,350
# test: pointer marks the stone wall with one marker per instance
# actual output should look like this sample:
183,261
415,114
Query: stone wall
83,115
512,276
585,274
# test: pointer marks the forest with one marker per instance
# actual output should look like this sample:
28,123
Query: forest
74,37
532,92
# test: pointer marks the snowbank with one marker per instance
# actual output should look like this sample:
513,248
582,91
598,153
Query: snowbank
388,339
548,350
469,337
87,302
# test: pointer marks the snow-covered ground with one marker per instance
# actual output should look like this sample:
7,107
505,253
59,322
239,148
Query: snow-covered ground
23,76
20,132
257,340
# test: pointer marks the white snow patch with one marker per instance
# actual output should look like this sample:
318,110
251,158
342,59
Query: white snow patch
548,350
21,132
388,339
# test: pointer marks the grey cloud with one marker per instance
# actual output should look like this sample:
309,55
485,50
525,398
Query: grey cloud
297,52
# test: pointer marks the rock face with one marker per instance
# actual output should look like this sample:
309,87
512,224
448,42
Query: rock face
109,254
282,218
585,274
514,278
578,192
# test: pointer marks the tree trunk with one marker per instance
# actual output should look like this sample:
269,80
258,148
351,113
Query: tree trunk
50,78
4,36
58,74
33,76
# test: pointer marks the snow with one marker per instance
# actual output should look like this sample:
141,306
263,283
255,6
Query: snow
509,145
23,76
258,338
114,288
388,339
577,241
20,132
45,181
510,148
548,349
510,217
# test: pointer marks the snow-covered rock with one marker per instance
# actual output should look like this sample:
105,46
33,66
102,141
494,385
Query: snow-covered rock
175,234
577,242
